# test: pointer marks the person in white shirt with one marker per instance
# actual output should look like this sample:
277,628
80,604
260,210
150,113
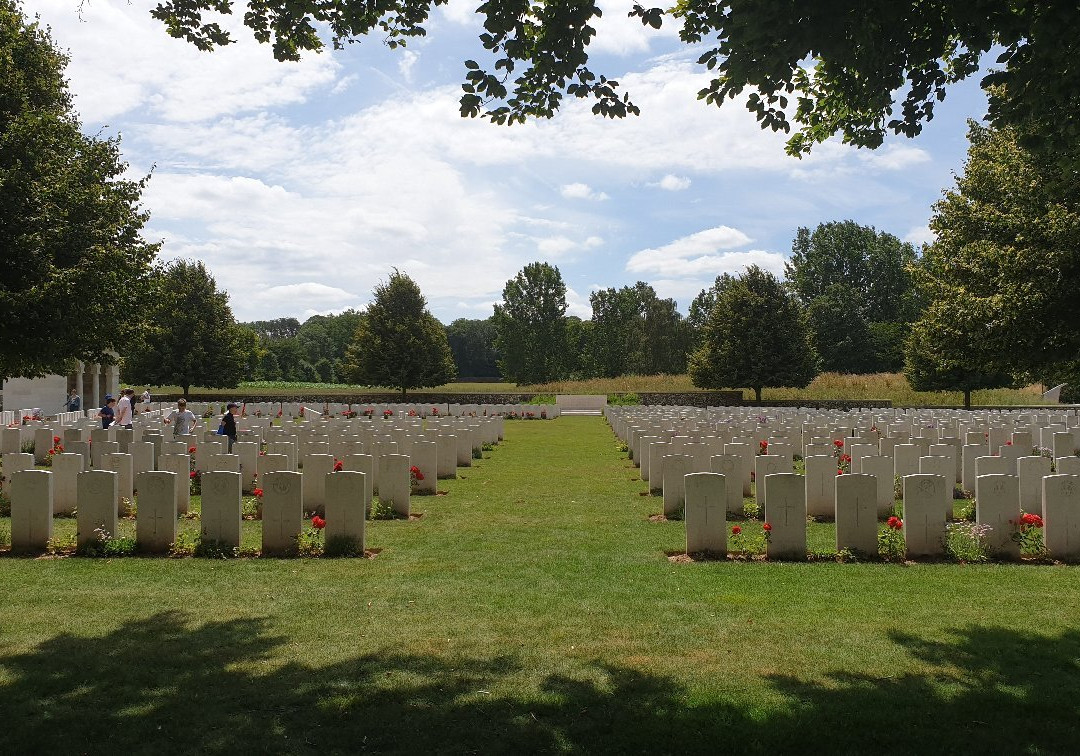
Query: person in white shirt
146,400
183,420
123,409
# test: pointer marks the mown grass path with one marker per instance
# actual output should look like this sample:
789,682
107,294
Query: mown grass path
531,609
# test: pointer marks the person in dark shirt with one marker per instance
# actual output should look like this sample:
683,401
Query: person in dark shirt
108,412
228,423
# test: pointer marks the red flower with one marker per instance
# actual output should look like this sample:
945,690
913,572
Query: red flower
1008,443
736,529
764,445
258,492
55,440
766,527
191,450
839,471
279,413
192,475
895,523
318,523
845,457
338,465
838,443
387,412
1033,520
415,472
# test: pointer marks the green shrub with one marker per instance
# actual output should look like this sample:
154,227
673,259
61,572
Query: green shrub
624,399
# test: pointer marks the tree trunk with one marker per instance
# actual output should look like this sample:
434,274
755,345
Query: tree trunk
757,394
184,390
967,398
403,393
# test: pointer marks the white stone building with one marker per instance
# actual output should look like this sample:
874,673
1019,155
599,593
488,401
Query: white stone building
49,393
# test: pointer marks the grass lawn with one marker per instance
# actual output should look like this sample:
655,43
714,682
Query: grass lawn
533,609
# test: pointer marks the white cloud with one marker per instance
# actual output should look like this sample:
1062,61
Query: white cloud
577,304
581,191
122,61
920,235
618,34
555,246
405,64
673,183
703,254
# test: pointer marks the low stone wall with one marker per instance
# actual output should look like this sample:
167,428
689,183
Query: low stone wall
354,399
693,398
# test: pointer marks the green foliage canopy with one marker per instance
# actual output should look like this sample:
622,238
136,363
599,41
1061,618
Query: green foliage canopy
399,343
530,325
190,337
472,343
827,67
72,261
1003,274
756,336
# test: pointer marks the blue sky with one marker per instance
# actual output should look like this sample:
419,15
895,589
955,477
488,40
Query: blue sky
302,185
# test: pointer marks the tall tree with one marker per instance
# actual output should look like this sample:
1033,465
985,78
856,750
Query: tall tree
755,337
702,307
472,343
530,325
840,336
191,337
868,274
1004,270
635,332
861,55
72,261
399,344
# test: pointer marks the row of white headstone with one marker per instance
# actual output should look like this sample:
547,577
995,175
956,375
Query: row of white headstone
436,447
346,505
927,509
669,443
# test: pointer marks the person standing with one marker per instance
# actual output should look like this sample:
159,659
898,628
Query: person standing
123,409
146,400
108,412
74,402
228,423
182,419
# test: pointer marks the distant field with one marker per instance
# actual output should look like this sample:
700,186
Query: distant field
886,386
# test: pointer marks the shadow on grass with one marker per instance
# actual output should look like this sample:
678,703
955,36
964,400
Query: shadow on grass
167,684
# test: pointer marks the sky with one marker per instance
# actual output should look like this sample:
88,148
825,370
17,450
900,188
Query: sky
304,185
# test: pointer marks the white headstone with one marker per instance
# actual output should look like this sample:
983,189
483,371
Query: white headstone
856,513
97,492
785,512
31,509
222,519
283,511
705,513
926,499
155,522
1061,516
997,504
676,467
346,506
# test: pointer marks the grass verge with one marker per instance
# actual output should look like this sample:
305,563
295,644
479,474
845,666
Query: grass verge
533,609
